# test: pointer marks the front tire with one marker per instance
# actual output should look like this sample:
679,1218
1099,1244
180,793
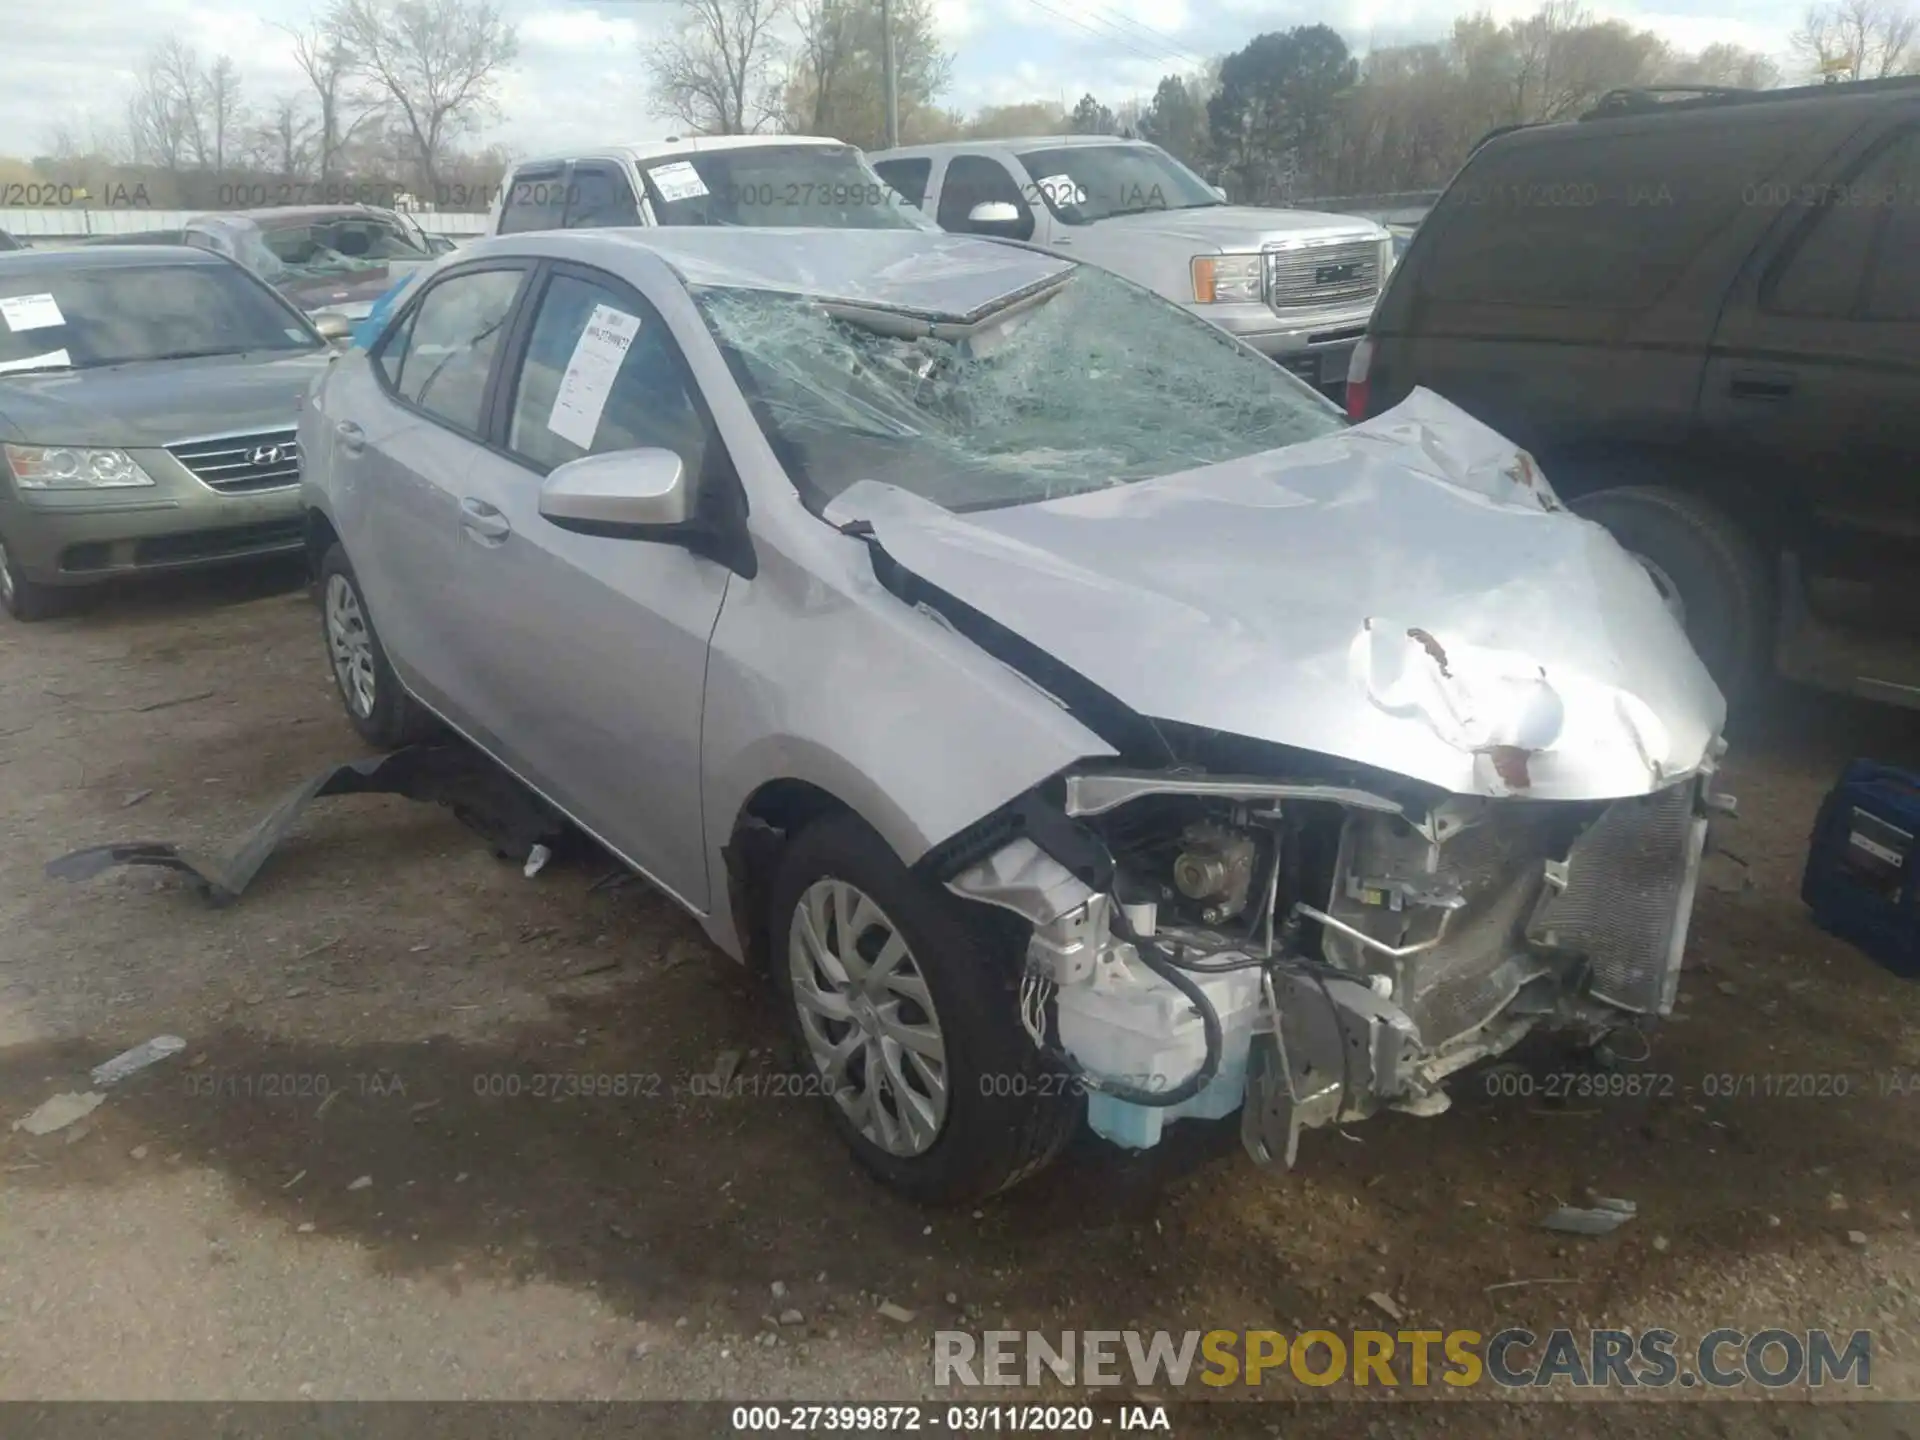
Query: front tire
905,1008
376,704
27,600
1708,569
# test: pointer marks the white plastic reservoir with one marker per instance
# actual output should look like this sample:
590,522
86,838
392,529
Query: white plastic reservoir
1131,1026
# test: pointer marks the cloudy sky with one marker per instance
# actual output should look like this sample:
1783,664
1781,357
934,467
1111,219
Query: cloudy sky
578,78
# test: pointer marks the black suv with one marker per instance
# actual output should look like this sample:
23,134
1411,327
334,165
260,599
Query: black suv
1701,313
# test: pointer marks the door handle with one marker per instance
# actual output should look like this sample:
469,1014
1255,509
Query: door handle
482,520
351,437
1765,385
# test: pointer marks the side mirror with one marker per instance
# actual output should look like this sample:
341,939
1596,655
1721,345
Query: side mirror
994,213
1219,191
439,245
623,493
334,328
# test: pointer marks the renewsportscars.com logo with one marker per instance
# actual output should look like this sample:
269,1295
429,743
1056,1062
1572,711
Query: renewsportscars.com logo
1413,1359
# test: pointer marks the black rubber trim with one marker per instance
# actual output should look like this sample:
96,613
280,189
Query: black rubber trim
1026,816
1132,734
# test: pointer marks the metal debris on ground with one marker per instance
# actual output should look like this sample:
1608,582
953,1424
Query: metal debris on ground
1385,1304
895,1312
537,859
480,794
725,1066
1599,1220
131,1062
59,1112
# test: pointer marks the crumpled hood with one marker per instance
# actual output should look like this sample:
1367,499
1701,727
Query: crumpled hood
1405,593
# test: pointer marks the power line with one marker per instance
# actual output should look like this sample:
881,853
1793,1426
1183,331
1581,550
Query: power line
1167,40
1158,58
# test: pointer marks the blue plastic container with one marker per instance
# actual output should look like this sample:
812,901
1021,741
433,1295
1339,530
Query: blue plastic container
1859,880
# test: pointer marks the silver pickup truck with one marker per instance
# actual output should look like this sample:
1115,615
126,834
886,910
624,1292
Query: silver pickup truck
1296,285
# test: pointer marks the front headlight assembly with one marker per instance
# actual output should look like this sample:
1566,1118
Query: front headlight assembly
1226,279
67,467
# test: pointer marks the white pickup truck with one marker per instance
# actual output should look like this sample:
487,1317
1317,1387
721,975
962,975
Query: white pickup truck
1296,285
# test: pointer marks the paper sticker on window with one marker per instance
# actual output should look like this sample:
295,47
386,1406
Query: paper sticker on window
678,181
1061,190
590,373
30,312
52,360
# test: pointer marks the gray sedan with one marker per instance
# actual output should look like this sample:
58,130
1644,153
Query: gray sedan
1068,709
147,404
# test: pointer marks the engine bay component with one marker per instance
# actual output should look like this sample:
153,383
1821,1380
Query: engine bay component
1215,869
1313,962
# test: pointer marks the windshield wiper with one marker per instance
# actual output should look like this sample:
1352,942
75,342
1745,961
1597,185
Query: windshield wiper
178,355
1161,209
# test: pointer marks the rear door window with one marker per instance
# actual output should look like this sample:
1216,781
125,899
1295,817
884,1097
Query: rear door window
1825,272
979,180
448,344
600,195
908,178
536,200
1601,220
1894,291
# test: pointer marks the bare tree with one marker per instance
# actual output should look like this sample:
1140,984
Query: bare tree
1724,64
162,111
343,104
836,85
437,61
185,85
285,140
714,71
827,40
224,113
1859,39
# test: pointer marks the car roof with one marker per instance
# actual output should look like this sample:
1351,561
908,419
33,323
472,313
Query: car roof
1018,142
918,271
639,150
295,213
1709,109
104,257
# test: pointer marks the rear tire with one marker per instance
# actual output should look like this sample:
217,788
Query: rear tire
28,600
1006,1110
1715,569
377,705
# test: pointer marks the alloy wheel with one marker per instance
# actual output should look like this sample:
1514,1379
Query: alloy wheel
352,646
868,1017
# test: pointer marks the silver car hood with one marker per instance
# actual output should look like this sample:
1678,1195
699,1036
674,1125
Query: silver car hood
1405,593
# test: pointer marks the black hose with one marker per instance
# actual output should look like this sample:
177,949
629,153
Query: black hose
1163,965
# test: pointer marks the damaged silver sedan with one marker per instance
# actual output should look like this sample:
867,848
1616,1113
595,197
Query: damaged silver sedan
1065,706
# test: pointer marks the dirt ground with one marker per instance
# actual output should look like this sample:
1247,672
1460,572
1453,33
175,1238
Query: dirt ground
215,1231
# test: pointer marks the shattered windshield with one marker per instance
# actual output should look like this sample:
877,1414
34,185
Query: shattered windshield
830,186
312,249
1085,183
1095,382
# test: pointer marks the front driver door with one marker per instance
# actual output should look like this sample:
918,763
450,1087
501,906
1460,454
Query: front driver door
590,653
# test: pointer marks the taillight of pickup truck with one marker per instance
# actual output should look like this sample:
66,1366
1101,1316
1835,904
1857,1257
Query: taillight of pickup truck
1358,365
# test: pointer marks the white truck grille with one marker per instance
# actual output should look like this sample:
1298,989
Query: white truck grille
1328,273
